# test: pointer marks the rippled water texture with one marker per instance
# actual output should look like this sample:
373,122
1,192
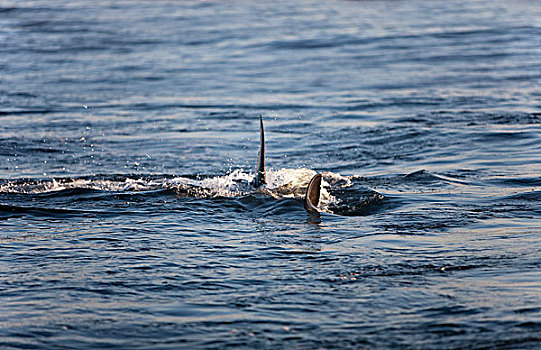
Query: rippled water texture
128,143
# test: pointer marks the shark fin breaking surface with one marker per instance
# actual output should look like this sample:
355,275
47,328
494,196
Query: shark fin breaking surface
260,178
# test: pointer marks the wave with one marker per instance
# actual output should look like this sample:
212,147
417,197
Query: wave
339,194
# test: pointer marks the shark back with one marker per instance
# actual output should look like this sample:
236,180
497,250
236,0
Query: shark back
311,198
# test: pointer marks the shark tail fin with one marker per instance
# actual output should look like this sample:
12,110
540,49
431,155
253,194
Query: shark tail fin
311,199
260,178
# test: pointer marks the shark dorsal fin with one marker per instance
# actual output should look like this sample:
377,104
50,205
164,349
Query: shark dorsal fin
260,178
311,199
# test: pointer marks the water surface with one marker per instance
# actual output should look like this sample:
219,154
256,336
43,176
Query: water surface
128,139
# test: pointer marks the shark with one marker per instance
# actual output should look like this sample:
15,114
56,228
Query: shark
313,191
320,192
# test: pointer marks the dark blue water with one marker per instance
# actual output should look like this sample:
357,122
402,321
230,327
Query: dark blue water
128,140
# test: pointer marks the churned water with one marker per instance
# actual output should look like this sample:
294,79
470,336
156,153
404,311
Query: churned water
128,141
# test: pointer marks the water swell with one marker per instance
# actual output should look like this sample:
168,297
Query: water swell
10,211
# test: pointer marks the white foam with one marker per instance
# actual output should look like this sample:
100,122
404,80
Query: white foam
54,185
293,177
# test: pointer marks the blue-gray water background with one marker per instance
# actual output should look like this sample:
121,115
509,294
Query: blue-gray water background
107,106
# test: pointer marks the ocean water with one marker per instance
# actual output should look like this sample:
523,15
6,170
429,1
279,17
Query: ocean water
129,135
